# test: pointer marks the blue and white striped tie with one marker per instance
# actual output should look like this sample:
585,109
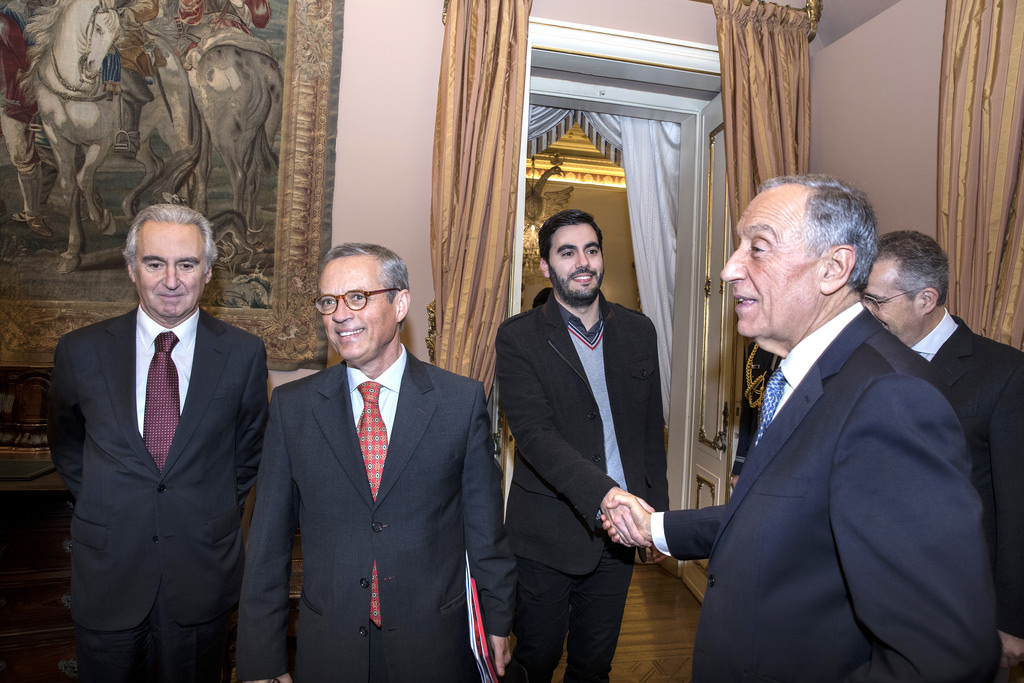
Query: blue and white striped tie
770,401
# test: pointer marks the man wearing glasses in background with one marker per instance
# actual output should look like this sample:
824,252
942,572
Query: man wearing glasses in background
907,293
387,465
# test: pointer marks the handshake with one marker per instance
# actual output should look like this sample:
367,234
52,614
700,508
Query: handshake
626,518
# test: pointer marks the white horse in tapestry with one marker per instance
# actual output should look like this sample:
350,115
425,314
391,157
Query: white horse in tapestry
70,40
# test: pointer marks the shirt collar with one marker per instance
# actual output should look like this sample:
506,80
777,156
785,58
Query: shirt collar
389,379
934,340
148,329
573,321
805,354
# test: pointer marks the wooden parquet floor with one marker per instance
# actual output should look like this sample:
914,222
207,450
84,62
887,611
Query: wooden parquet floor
658,629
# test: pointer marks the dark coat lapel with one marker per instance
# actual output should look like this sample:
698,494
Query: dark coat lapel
333,412
118,367
558,338
798,405
208,362
950,358
417,402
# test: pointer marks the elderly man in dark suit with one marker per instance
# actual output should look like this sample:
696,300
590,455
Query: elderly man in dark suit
907,293
579,385
852,547
159,448
387,465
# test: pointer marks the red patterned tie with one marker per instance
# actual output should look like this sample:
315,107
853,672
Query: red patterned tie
162,400
373,440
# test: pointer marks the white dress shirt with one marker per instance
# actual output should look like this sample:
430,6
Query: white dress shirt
794,367
390,382
934,340
146,331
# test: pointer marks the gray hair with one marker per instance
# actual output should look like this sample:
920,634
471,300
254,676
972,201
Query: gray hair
920,260
393,271
836,213
171,213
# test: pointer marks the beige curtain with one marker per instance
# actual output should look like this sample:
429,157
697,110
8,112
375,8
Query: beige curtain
766,100
475,175
981,132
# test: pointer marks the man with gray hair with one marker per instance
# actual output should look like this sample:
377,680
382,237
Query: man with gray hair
156,425
851,548
907,293
387,466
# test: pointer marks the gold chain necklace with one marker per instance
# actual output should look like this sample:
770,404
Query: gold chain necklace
754,392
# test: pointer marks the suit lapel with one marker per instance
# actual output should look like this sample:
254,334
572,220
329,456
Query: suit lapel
334,415
950,358
118,364
797,406
417,402
208,362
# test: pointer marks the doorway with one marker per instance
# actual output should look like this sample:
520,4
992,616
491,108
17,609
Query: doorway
586,69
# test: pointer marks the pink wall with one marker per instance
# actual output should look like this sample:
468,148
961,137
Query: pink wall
391,54
874,112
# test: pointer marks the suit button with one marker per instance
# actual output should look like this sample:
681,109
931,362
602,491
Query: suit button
155,539
365,583
161,488
643,373
596,457
711,581
363,631
377,527
591,415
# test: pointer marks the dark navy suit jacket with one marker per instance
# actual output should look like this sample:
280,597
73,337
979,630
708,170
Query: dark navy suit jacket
852,548
986,386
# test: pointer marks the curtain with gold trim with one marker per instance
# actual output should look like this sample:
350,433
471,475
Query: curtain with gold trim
763,48
981,135
475,174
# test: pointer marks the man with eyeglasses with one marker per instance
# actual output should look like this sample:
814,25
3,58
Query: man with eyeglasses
907,293
387,465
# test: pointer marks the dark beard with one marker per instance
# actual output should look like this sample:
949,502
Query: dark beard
575,299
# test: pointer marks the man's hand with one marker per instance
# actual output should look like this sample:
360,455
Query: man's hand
500,652
626,518
1013,650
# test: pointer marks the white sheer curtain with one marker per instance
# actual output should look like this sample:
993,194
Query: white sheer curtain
650,156
547,124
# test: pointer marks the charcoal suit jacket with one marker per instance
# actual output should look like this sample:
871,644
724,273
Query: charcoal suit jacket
986,386
134,527
440,498
852,547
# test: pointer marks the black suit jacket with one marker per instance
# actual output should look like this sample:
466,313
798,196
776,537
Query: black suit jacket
560,475
986,386
852,548
136,528
439,499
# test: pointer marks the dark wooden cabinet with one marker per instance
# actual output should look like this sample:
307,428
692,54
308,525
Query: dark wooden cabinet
37,642
36,633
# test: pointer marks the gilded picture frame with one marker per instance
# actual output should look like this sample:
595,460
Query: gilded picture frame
264,280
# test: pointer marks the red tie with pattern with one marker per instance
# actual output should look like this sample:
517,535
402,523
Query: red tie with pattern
162,400
373,440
